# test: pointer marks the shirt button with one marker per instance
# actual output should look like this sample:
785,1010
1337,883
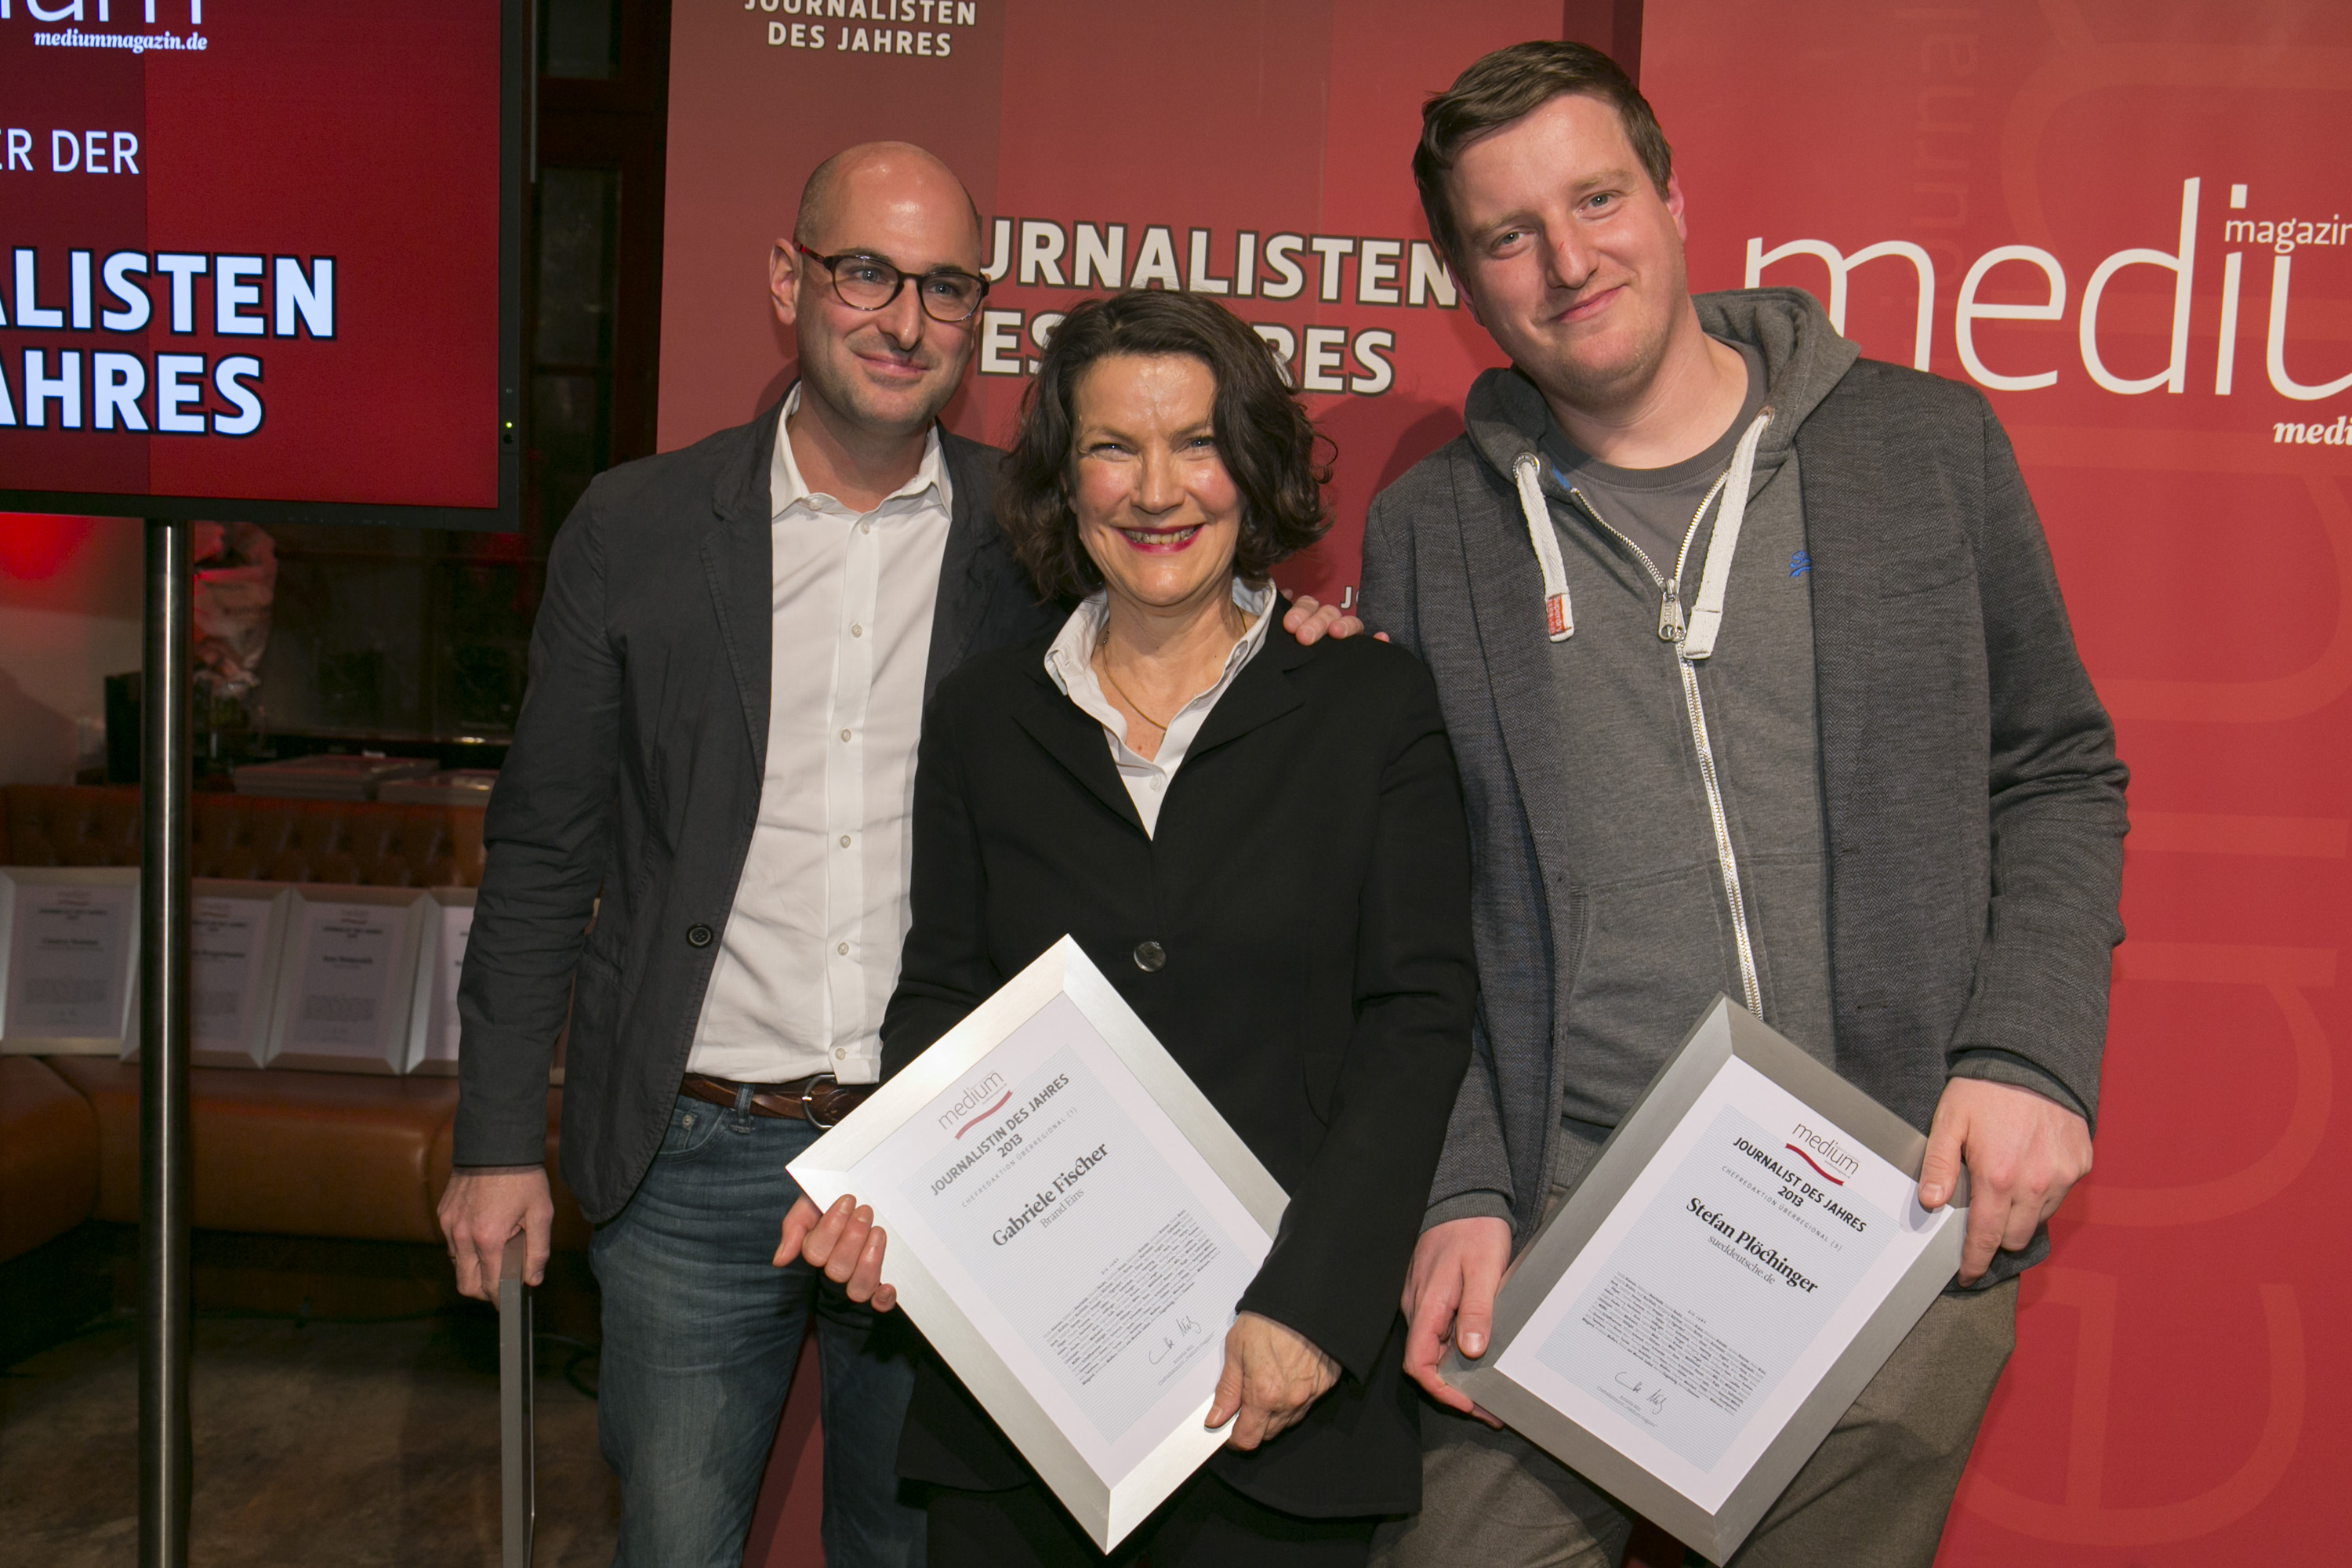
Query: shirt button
841,948
845,841
864,527
1149,957
856,630
839,1054
698,935
845,734
1158,782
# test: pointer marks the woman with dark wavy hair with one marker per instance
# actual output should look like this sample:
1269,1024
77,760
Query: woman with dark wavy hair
1262,845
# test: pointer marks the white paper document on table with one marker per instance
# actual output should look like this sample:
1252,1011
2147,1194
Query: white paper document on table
1059,1235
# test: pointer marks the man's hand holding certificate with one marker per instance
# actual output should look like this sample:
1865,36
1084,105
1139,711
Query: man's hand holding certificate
2024,1153
845,1242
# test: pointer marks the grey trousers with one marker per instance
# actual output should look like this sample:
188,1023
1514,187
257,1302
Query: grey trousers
1876,1492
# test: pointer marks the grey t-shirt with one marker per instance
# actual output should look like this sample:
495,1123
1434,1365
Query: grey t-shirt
1653,935
1654,507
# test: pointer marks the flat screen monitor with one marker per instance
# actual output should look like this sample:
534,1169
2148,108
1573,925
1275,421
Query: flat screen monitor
260,258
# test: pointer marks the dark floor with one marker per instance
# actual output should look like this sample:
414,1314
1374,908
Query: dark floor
351,1443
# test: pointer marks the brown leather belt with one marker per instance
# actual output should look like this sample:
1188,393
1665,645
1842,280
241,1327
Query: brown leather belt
816,1099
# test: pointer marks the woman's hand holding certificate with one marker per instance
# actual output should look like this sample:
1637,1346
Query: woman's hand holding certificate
1272,1375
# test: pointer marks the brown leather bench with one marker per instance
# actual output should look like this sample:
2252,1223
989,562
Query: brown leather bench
297,1154
48,1155
290,1154
278,1152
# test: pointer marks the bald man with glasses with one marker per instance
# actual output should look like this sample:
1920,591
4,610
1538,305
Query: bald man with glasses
727,673
728,676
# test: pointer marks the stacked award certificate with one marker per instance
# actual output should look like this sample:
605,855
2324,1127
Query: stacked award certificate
1071,1223
1745,1253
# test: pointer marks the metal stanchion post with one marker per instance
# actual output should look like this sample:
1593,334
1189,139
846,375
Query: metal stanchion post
165,1197
518,1493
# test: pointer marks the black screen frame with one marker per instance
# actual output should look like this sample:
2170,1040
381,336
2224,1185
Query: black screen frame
518,82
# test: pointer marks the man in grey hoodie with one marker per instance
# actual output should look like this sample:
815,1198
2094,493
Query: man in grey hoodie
1760,683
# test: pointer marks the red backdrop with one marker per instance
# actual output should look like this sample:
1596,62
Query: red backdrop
2176,1397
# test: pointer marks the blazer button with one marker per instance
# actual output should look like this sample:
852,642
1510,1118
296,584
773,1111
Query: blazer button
698,935
1150,957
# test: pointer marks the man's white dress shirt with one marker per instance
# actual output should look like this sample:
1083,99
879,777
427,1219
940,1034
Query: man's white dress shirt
811,950
1070,661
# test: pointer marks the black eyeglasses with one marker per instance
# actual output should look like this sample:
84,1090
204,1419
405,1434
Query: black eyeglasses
864,282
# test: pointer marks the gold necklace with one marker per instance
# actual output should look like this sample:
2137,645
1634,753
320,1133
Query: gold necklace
1103,658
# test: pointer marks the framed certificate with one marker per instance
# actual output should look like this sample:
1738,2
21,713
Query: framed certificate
69,959
1743,1255
348,980
1070,1222
237,934
441,959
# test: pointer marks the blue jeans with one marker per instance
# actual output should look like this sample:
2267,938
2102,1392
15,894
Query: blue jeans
701,1334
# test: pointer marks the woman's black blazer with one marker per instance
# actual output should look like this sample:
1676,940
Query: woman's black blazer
1297,935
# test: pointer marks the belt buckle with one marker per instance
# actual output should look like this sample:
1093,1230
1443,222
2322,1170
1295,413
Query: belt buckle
808,1101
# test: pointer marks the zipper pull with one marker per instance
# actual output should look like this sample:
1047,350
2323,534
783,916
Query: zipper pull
1670,615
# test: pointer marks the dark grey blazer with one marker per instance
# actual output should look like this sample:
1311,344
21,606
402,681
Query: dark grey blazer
635,770
1973,803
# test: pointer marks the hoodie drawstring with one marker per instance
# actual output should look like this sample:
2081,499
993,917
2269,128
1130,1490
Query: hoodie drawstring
1715,580
1697,641
1559,616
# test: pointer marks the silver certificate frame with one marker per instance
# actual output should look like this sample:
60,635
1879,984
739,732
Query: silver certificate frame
119,1032
260,991
1106,1509
433,956
388,1054
1725,1032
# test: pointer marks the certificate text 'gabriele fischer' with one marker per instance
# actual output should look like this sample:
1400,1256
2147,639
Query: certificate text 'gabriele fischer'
1064,1182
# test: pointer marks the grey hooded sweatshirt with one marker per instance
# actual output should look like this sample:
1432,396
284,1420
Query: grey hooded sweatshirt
1887,818
1695,818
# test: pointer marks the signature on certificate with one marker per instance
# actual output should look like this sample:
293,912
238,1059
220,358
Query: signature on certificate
1657,1397
1183,1331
